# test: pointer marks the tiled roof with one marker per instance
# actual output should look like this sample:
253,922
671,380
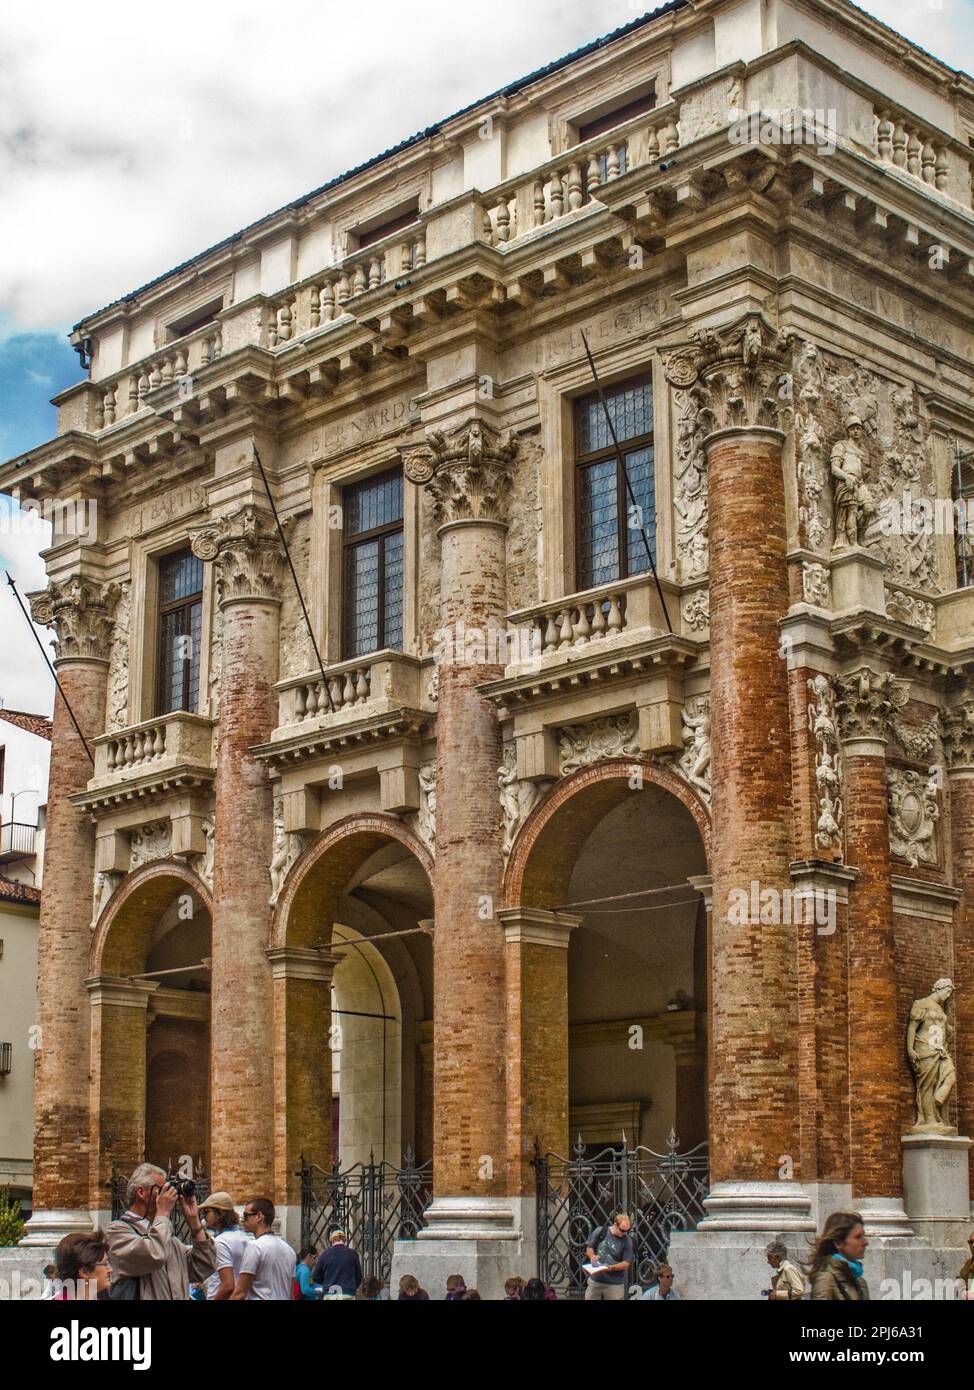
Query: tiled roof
38,724
11,892
507,91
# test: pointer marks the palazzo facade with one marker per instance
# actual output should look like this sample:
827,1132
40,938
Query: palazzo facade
508,854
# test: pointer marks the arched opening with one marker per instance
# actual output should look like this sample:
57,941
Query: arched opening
149,989
353,973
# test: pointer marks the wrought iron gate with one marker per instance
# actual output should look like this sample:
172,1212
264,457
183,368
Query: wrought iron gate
375,1204
661,1192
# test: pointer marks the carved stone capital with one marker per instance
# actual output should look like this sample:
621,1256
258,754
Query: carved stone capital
957,731
469,472
739,374
866,703
247,552
80,612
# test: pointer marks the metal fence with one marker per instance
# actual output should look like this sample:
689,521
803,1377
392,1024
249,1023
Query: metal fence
375,1204
662,1192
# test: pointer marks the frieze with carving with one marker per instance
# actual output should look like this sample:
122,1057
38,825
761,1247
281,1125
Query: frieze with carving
118,663
696,610
828,765
579,745
911,609
690,498
816,586
150,842
914,811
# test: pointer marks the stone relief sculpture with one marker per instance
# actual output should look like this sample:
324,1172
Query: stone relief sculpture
105,886
828,775
690,488
216,657
816,588
518,797
118,666
694,762
933,1069
853,501
204,861
614,736
913,815
286,849
696,610
910,609
150,842
426,819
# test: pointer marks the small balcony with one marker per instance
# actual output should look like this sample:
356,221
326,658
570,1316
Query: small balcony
352,690
155,756
17,841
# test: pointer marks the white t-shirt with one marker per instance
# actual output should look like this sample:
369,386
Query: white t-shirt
272,1262
230,1246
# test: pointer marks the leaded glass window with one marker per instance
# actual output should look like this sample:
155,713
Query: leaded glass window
180,630
373,565
615,520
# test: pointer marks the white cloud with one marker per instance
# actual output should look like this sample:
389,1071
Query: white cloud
25,682
132,138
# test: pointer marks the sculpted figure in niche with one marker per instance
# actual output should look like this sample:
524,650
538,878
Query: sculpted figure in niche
933,1069
853,500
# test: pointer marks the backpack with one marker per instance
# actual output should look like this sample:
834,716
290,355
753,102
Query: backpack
127,1287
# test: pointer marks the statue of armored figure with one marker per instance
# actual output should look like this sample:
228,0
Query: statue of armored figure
853,500
933,1068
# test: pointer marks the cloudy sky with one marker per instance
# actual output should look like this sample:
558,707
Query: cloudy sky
132,138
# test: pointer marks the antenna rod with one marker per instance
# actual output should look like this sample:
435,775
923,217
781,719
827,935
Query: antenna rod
294,576
625,474
33,633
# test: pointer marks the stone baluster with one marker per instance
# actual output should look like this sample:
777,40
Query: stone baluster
669,138
576,195
420,257
914,148
928,160
343,292
376,271
899,145
550,633
556,196
940,170
360,281
583,630
652,145
133,393
593,178
884,137
613,163
540,208
503,215
108,406
181,365
616,620
598,619
362,686
335,691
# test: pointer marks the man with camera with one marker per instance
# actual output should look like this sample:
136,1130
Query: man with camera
148,1262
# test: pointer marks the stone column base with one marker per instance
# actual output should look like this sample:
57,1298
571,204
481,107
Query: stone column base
48,1227
884,1218
757,1206
724,1257
487,1240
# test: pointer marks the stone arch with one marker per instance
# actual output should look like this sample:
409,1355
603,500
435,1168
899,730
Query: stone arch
318,877
123,931
549,841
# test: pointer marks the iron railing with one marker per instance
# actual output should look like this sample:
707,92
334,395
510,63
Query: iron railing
375,1204
662,1192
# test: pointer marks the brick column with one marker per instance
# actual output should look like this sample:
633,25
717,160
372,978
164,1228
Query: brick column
119,1014
80,612
536,949
865,702
754,1135
302,1070
472,1222
958,741
250,566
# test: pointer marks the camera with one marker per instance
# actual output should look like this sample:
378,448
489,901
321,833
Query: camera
184,1186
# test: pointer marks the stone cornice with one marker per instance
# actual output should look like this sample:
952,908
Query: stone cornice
124,791
80,611
247,552
322,742
601,665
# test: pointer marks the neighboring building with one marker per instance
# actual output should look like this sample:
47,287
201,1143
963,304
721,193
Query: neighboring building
515,822
25,753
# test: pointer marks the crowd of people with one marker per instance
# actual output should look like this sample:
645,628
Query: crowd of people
242,1258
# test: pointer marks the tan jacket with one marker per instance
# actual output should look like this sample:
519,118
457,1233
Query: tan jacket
836,1281
787,1282
164,1266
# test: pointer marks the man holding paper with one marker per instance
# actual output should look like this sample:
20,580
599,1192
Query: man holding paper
610,1252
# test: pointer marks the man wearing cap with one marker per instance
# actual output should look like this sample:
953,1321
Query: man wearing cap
338,1270
221,1221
